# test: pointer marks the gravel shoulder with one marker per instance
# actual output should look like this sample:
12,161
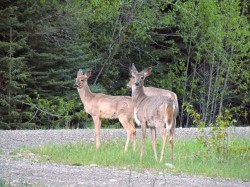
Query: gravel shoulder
18,171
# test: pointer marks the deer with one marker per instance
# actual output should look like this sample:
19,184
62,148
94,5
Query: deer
99,106
152,91
157,112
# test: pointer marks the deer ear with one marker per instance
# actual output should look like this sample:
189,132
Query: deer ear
147,72
79,72
132,68
87,74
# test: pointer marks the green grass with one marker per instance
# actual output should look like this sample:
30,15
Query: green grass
189,156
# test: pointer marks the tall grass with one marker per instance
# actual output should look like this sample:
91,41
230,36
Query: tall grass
189,156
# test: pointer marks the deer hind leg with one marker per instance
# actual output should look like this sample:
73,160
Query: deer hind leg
164,140
129,129
171,140
133,131
143,135
97,123
153,140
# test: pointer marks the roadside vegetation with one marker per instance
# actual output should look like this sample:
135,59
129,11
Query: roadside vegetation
190,156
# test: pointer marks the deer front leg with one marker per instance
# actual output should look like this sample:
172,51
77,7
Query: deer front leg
143,135
97,124
153,140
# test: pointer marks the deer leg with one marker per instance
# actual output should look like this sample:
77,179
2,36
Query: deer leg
97,123
153,140
143,135
125,125
164,139
172,147
133,133
127,142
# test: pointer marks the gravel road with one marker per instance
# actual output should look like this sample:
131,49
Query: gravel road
22,171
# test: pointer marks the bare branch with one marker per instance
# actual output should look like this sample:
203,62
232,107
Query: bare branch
41,110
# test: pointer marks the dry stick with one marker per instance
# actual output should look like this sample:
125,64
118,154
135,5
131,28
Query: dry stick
153,182
113,50
129,179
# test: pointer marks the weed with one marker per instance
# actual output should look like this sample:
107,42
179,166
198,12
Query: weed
189,156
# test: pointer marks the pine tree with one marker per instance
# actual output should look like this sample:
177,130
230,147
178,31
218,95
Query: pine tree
13,70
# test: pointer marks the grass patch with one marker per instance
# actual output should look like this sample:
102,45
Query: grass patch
189,156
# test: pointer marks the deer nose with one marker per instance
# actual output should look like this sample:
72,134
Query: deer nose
75,85
137,83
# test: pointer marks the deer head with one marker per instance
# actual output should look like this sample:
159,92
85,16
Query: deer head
138,77
81,78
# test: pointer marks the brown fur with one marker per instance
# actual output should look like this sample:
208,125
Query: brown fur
105,106
170,113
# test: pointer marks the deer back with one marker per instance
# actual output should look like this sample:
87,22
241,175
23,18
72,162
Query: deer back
152,109
107,106
152,91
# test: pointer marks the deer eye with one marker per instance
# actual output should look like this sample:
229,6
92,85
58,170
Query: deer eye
141,77
133,77
82,80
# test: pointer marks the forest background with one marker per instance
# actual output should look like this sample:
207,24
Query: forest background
198,49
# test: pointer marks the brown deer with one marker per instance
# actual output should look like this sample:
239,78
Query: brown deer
105,106
155,111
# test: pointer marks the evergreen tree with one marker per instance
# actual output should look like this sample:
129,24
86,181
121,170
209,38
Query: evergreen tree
14,72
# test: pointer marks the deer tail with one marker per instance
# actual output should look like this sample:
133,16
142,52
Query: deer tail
169,108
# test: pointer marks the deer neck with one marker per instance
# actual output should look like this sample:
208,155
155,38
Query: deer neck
85,93
138,94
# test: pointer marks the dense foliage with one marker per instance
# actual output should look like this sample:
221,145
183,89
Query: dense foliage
198,49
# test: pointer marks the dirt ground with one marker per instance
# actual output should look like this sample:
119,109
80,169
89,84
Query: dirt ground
28,171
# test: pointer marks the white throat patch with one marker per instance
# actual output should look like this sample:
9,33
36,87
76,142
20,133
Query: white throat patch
137,121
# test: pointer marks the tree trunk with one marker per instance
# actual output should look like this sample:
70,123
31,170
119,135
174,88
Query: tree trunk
116,44
209,91
215,92
10,79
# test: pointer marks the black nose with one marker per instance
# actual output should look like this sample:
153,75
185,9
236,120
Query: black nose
75,86
137,84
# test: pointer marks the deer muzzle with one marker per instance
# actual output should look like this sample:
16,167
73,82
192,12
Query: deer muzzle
75,85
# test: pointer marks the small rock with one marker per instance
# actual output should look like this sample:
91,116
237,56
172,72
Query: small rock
31,154
169,165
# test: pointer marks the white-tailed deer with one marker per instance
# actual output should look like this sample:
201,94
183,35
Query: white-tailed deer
105,106
157,112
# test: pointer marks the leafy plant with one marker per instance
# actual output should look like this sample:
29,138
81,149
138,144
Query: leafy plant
216,136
